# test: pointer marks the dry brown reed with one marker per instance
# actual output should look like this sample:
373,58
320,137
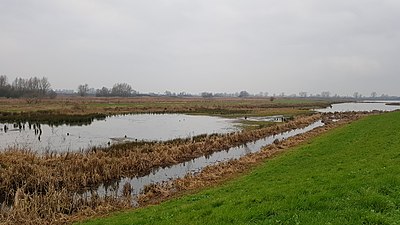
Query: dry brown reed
74,106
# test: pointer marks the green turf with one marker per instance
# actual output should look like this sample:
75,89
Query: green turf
349,176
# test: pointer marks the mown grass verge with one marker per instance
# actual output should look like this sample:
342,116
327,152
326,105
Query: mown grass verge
348,176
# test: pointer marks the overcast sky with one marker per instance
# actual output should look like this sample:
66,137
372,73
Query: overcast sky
274,46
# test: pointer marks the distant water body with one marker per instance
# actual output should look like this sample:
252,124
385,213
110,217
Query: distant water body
360,107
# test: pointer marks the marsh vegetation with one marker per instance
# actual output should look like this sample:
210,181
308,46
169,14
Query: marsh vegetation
58,187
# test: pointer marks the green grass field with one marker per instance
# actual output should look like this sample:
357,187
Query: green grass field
350,175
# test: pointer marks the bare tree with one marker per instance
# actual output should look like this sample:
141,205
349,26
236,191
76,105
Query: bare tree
303,94
374,94
122,90
44,86
103,92
357,95
83,89
244,94
3,81
19,84
52,94
206,94
168,93
4,86
33,87
325,94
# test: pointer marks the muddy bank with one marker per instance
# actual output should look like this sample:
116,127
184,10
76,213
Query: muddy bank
393,103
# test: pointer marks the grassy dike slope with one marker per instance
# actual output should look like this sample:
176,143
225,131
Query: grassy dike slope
349,176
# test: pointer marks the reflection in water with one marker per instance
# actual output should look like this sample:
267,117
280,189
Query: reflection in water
180,170
115,129
51,119
276,118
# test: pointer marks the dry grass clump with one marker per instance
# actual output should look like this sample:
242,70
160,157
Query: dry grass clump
56,207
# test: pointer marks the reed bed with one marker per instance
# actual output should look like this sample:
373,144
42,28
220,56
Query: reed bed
76,106
47,188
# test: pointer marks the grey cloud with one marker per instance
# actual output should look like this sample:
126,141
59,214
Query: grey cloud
275,46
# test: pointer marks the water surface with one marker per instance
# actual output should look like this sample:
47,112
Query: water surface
359,107
115,129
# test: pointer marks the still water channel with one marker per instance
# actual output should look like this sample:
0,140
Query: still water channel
111,130
196,165
360,107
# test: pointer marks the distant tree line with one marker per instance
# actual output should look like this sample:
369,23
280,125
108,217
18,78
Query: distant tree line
242,94
33,87
302,94
118,90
